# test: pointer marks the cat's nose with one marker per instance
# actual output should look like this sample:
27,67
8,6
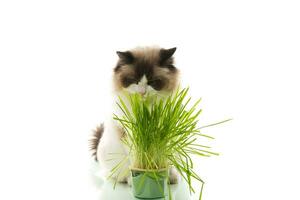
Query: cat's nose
142,91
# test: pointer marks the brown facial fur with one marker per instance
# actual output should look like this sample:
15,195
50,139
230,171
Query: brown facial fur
155,63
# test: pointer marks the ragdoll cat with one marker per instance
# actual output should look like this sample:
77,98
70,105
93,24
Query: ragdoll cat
148,71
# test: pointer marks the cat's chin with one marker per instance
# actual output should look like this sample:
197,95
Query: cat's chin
148,94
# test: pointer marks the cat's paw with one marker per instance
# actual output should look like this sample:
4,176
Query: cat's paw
129,181
174,177
122,180
126,180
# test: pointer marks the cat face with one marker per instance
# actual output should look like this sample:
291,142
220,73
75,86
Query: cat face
146,71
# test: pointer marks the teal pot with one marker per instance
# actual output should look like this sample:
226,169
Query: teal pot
149,184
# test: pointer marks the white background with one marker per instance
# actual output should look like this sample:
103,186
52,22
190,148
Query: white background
241,57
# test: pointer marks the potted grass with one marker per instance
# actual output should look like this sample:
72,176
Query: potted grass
161,133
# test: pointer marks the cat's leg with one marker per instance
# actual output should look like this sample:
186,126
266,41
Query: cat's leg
174,176
112,156
129,180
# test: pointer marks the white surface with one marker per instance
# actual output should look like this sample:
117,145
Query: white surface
241,57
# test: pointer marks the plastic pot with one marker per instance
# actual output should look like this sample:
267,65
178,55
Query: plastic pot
149,184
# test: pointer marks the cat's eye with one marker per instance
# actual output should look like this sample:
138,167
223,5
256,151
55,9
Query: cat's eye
156,84
126,81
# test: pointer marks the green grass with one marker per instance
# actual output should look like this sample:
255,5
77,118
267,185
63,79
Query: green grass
164,132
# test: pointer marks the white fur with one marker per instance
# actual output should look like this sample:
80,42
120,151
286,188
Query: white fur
142,87
111,151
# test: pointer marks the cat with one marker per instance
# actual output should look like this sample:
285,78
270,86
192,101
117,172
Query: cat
143,70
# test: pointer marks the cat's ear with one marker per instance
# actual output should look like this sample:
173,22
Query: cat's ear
125,56
166,54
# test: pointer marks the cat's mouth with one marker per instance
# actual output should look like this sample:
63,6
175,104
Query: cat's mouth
141,89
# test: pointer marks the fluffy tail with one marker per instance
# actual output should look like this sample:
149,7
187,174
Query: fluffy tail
95,140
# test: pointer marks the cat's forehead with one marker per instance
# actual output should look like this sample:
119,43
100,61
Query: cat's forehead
146,55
